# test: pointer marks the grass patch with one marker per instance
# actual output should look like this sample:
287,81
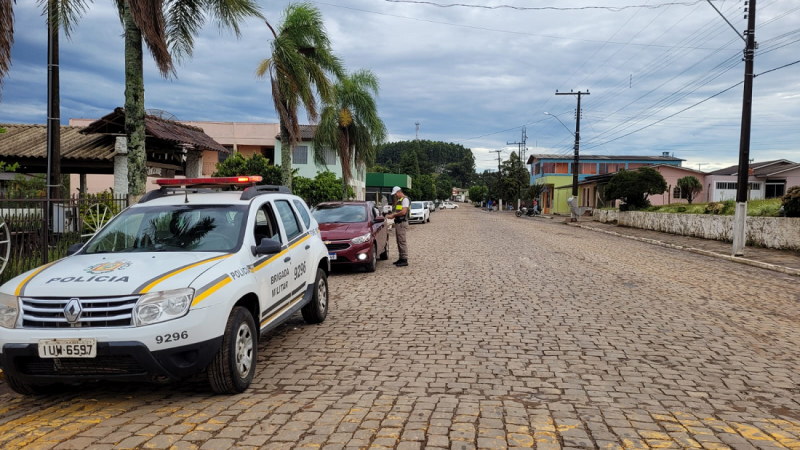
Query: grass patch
755,208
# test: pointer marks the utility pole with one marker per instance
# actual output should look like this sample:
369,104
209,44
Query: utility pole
417,123
519,155
743,174
576,160
499,175
53,179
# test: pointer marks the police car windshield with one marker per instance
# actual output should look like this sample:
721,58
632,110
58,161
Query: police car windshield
182,228
340,213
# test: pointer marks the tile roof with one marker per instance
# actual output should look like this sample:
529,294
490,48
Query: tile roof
760,169
603,157
30,141
167,130
306,132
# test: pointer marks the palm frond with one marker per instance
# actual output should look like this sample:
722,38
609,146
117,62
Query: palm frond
184,19
148,15
230,13
69,12
6,37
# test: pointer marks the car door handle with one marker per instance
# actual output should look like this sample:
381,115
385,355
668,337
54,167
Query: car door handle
308,247
287,259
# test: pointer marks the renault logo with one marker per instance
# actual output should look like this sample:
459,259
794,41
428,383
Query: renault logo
73,310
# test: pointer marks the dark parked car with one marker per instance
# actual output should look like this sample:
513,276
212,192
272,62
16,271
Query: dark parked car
354,232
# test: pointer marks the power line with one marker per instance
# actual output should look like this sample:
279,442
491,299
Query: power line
472,27
546,8
692,106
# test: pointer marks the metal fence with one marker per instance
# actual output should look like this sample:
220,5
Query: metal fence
27,240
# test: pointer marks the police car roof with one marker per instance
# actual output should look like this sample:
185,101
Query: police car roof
199,198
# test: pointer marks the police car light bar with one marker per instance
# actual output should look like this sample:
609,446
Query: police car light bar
212,181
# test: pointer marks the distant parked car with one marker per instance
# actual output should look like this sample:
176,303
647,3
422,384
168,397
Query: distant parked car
419,213
354,232
448,205
431,205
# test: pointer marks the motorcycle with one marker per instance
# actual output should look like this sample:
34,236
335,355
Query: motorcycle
530,212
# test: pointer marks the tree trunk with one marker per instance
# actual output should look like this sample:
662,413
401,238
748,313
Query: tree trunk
286,157
344,179
134,105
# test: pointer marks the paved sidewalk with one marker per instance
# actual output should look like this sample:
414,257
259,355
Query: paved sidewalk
781,258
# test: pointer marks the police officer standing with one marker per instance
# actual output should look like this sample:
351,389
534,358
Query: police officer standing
400,216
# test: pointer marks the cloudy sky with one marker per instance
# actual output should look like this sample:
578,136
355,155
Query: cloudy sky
471,75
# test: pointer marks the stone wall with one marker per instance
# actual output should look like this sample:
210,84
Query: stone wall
605,215
769,232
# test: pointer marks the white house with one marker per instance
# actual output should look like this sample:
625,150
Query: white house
767,179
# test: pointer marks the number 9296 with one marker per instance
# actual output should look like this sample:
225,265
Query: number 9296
172,337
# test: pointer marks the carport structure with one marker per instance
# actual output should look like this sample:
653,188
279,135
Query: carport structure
173,148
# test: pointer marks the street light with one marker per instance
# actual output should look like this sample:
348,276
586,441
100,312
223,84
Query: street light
559,120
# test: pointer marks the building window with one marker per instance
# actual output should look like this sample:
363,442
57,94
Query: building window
537,168
606,168
676,192
330,157
775,190
588,169
754,186
726,185
548,167
562,168
222,156
632,166
300,155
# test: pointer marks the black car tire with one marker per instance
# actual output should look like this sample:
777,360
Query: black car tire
23,388
317,309
372,265
385,254
224,373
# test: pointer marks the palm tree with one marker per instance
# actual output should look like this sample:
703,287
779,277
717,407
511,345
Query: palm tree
299,64
167,27
350,124
169,31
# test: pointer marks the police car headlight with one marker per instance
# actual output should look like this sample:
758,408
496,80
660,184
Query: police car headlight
361,239
9,310
159,307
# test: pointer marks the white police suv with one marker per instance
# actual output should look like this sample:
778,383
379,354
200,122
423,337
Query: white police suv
186,280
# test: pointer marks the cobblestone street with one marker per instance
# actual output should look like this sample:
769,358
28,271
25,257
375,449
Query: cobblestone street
511,333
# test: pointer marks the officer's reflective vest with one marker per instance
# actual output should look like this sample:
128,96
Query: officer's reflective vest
399,207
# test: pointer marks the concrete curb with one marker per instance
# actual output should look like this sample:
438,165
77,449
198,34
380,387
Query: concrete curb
749,262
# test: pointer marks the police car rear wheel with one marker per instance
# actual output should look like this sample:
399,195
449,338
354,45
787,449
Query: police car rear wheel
317,309
233,368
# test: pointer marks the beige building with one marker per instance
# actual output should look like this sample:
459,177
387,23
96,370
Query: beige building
247,139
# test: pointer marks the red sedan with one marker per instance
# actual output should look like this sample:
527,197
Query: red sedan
355,233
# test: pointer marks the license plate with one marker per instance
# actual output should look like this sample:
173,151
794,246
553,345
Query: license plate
68,348
332,256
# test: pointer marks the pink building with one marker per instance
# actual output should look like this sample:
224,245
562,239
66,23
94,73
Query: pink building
590,191
673,194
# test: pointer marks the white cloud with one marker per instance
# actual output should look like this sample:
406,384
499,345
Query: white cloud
466,82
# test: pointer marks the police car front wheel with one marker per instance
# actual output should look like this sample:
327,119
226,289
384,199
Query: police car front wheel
232,369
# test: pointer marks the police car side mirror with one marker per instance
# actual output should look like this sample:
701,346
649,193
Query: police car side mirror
74,248
267,247
379,219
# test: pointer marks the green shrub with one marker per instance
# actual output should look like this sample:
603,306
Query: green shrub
714,208
791,202
681,209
